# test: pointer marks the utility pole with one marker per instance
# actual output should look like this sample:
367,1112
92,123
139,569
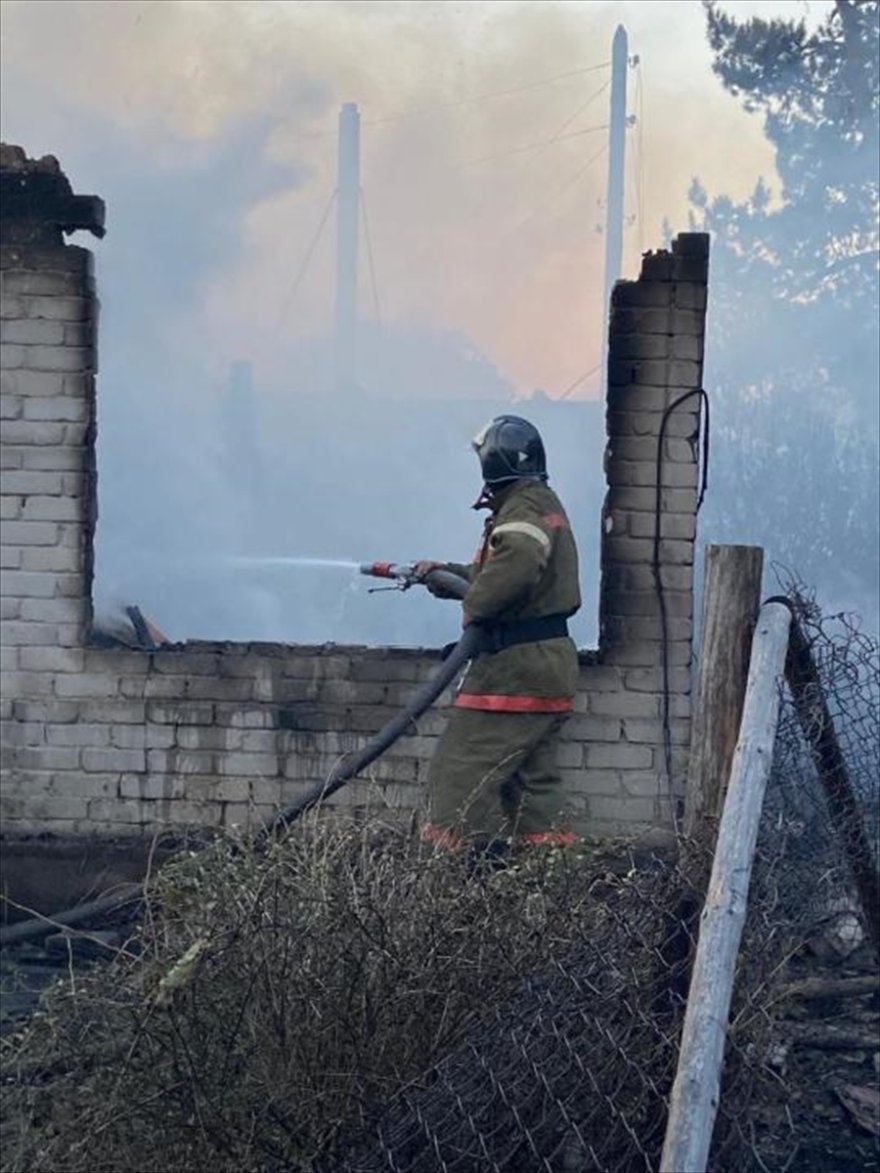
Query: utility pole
615,192
347,220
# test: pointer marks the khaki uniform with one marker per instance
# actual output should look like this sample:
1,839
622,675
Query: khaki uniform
493,774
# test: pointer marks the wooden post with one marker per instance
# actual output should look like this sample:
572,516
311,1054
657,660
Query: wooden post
731,599
818,728
695,1093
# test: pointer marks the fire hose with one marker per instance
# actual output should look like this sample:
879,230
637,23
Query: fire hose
351,765
404,576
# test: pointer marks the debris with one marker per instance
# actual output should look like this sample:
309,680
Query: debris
863,1105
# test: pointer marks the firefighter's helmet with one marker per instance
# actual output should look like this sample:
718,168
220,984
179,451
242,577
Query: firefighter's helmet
510,449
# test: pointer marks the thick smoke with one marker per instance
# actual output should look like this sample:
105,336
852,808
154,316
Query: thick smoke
209,129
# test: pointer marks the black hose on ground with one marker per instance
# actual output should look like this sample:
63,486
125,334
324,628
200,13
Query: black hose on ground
452,585
351,765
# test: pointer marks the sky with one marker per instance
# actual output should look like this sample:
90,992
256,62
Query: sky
209,128
470,230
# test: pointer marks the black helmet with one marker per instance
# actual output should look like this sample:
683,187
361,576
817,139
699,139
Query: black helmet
510,449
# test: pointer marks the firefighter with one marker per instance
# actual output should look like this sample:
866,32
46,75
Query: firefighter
493,782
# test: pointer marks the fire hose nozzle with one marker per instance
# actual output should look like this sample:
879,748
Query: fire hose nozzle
402,573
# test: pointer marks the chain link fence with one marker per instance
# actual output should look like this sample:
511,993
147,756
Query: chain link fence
344,1001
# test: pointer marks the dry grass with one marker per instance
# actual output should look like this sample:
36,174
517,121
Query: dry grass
270,997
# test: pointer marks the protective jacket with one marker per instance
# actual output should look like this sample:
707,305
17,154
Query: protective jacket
525,569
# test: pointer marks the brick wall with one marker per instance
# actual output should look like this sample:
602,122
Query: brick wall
114,741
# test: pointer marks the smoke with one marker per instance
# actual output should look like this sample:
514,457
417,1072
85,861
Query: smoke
209,129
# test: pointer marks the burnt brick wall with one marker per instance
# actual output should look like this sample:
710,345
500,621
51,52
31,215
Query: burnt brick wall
114,741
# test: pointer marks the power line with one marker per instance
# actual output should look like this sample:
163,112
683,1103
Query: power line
580,379
534,85
570,182
559,138
440,107
372,269
641,171
572,118
306,259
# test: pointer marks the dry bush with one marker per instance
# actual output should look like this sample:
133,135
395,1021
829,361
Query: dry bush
272,996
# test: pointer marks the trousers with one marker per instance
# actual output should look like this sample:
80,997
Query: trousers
494,775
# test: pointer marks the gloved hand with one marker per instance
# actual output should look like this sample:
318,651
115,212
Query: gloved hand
423,569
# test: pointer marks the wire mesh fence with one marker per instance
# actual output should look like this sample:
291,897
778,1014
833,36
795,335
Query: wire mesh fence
344,1001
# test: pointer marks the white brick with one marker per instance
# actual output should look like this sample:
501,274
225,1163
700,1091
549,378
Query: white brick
67,309
87,684
26,483
70,635
9,661
11,357
116,811
45,282
10,558
10,608
54,458
54,610
52,659
31,382
256,765
25,585
51,509
11,457
624,705
10,508
79,334
100,761
651,680
46,757
31,433
81,785
30,533
58,407
11,407
180,762
620,757
54,358
128,737
72,484
32,333
85,736
52,558
159,736
113,712
152,789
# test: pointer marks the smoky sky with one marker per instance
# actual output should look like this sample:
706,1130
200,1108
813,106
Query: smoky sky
209,130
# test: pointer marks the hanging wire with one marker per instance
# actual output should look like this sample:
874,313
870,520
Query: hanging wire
301,272
441,107
369,243
560,191
559,138
656,568
640,183
580,379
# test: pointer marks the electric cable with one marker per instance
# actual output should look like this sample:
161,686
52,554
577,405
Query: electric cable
313,244
532,146
372,268
640,182
655,568
580,379
560,191
440,107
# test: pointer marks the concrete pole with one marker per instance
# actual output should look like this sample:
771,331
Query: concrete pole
347,221
615,192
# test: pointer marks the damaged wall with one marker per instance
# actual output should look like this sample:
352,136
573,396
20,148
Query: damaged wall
115,741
